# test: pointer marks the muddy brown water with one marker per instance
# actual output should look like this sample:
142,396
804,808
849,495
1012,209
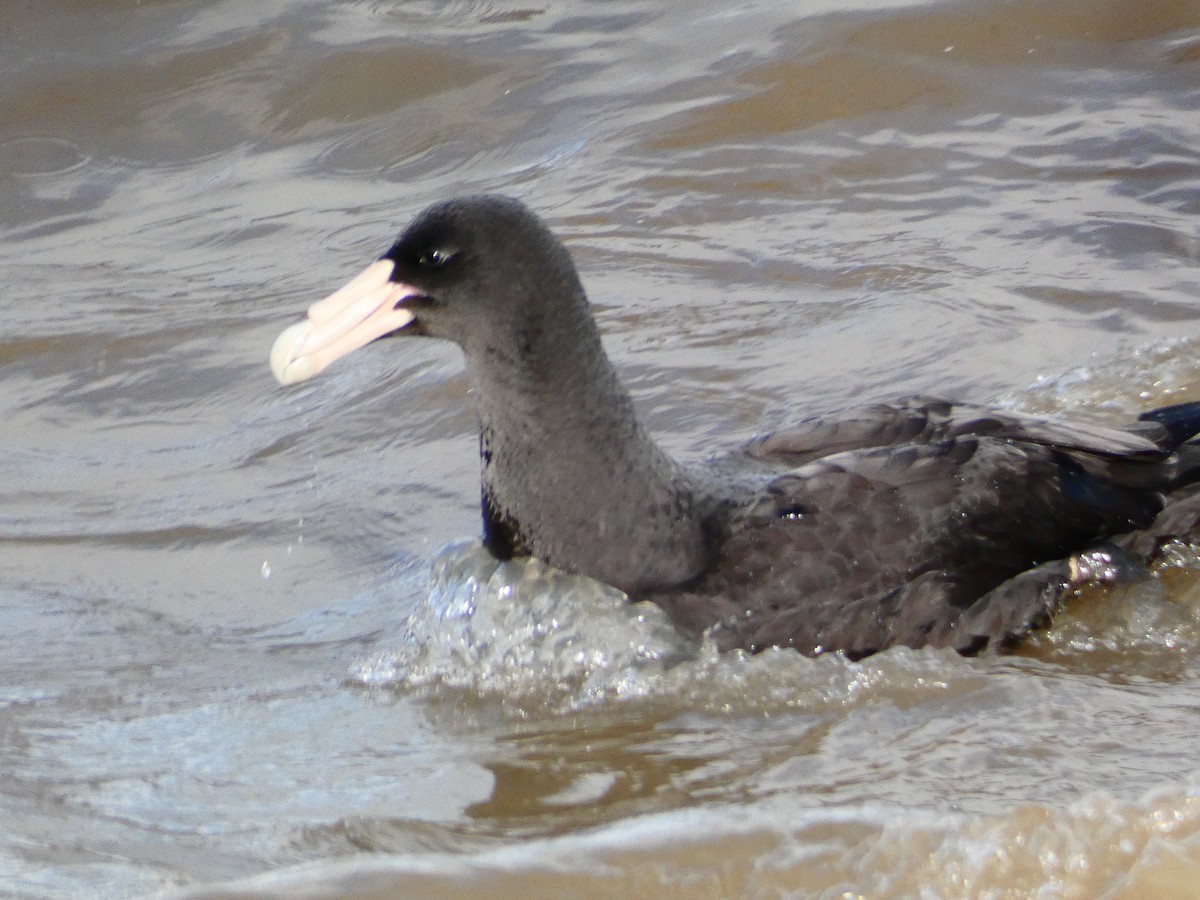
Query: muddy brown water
225,668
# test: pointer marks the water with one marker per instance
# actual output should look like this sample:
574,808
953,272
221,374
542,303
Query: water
223,654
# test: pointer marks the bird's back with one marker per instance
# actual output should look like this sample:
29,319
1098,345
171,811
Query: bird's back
922,523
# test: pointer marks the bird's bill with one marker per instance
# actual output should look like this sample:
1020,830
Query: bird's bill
361,311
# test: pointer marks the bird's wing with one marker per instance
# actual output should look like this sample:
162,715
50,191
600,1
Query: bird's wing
869,548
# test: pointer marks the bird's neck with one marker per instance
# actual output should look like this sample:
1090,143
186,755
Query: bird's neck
569,473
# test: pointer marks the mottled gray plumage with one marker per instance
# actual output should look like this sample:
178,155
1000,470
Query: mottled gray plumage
919,523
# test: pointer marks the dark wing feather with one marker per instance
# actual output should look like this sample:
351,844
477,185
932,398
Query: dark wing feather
923,420
890,545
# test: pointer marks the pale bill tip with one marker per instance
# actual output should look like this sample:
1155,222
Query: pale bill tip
286,363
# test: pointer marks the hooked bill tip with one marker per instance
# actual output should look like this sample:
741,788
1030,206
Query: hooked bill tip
287,365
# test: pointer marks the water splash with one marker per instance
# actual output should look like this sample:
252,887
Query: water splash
538,638
522,628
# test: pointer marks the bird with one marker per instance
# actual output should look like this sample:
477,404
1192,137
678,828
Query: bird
922,522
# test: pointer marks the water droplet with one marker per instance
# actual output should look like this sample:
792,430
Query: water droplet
266,569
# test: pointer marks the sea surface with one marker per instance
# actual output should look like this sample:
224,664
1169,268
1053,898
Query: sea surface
247,646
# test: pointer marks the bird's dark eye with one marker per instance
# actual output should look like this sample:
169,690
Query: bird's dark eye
435,258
